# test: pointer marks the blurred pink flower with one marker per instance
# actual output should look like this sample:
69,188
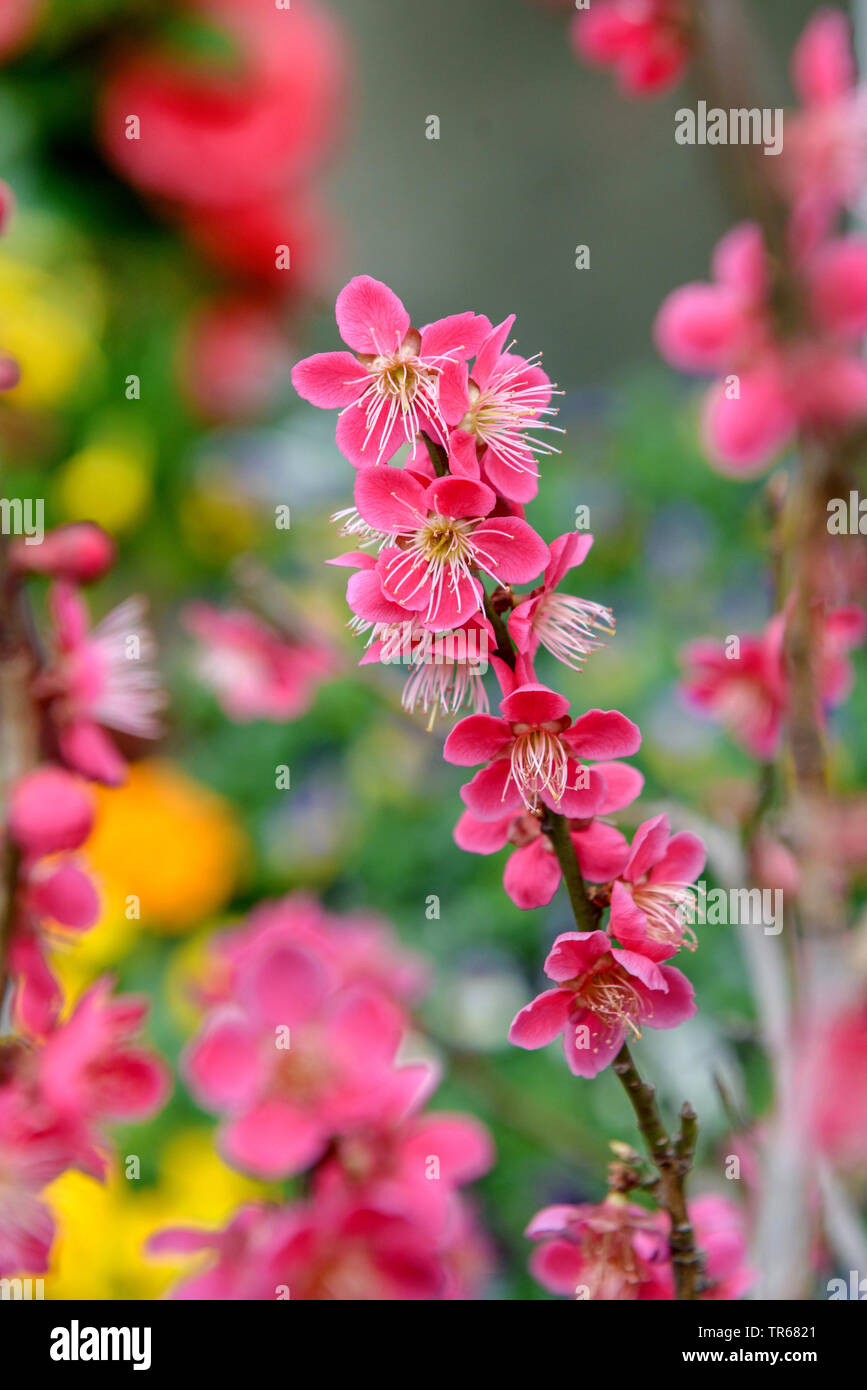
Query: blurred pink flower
255,672
645,42
100,678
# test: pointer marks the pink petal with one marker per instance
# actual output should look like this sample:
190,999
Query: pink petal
222,1066
354,444
365,597
642,968
682,862
366,1028
463,457
458,335
86,747
67,895
540,1021
460,1142
677,1005
823,66
558,1265
330,379
623,784
743,434
603,733
481,837
477,739
453,394
602,851
50,810
583,795
518,484
838,286
534,704
390,499
740,261
567,552
274,1140
509,550
573,953
701,328
602,1044
629,924
284,985
459,497
370,316
492,792
532,874
648,845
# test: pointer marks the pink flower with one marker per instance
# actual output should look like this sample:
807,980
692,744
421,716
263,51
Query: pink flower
611,1251
79,551
747,691
833,1080
91,1071
33,1151
532,874
414,1167
445,534
255,672
334,1249
499,411
824,160
534,755
652,900
646,42
816,379
50,810
400,382
234,357
262,121
564,625
295,1059
100,679
357,949
617,1251
603,994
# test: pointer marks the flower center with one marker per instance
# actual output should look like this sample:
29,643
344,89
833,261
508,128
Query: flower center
669,908
539,764
567,627
611,994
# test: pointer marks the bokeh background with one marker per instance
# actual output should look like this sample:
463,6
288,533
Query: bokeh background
99,279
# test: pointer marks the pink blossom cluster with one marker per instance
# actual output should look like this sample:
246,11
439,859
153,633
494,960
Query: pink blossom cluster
617,1251
445,426
746,687
63,1079
785,348
301,1054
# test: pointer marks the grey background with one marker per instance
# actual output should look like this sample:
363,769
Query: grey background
537,154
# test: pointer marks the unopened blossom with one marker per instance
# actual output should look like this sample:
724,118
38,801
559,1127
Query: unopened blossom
447,533
393,384
502,409
79,551
535,753
50,810
768,387
647,43
255,672
101,678
604,994
653,901
532,874
566,626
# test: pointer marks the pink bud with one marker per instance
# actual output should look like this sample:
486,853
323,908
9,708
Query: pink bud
79,551
50,810
7,206
10,373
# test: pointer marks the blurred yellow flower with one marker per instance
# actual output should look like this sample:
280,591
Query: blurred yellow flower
165,845
194,1188
49,324
109,481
